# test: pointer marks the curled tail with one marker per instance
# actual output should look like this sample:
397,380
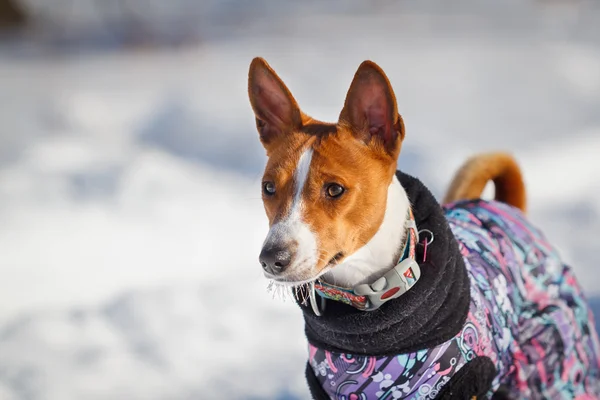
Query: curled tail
470,180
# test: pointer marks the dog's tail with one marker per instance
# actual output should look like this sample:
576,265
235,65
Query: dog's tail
470,180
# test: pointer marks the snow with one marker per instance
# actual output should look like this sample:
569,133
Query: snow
130,212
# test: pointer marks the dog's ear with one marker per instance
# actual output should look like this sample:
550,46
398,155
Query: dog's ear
370,110
276,111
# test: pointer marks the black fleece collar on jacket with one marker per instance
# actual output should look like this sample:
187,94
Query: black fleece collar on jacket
430,313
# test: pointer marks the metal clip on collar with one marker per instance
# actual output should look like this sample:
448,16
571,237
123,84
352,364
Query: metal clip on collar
313,301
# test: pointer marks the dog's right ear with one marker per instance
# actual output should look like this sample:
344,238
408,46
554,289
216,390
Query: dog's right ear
277,113
371,111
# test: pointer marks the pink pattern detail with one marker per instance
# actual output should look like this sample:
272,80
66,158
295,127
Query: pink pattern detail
370,368
330,362
312,350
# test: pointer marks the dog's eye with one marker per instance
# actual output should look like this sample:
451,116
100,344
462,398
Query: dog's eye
334,190
269,188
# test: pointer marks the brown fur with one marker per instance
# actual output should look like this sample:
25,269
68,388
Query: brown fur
359,152
501,168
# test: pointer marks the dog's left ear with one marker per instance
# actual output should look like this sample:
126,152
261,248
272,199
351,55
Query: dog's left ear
277,113
371,111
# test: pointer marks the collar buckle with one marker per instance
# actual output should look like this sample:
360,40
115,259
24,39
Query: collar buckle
393,284
369,297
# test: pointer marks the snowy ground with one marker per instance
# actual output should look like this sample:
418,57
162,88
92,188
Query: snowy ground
130,217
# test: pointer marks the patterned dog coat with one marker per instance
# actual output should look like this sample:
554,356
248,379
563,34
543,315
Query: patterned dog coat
527,318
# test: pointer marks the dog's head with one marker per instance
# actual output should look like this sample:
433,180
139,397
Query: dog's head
325,185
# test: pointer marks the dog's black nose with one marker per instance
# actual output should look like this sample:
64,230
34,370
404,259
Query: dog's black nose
275,260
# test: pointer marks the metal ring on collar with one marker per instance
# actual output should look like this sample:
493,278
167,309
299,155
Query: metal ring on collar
430,234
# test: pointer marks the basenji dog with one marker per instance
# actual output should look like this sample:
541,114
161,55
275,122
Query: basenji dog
404,298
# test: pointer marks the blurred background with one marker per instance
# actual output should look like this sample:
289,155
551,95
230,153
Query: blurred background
130,211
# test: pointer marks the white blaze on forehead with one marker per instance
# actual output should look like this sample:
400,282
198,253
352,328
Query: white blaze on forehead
300,176
292,232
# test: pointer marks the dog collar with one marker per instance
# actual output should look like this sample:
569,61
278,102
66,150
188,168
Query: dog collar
369,297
